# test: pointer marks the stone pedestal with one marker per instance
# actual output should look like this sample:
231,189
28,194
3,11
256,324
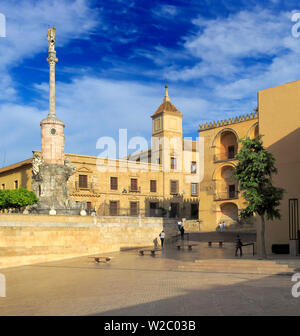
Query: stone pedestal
49,182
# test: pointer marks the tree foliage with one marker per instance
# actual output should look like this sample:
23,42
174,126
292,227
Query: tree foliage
17,198
254,173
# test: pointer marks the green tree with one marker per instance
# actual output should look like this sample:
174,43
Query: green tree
3,199
17,198
254,173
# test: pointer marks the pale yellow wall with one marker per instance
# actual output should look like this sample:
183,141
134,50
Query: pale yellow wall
280,126
27,239
22,174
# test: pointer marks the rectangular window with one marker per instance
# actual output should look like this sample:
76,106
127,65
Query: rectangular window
194,211
231,152
133,184
114,183
16,184
83,181
173,187
194,188
113,208
174,213
173,163
153,186
232,192
133,208
89,205
153,209
193,167
3,186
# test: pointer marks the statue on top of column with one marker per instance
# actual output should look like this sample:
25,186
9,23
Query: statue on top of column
51,36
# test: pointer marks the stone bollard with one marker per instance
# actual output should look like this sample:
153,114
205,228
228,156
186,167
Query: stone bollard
52,212
82,212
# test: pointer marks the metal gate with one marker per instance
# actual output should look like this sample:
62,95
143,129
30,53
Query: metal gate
293,219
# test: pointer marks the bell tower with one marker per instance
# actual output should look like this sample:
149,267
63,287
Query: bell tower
52,129
166,133
167,120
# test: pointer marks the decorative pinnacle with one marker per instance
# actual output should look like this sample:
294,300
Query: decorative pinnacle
51,36
52,60
166,98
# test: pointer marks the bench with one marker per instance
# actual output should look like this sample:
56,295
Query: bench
220,243
190,246
101,259
152,251
250,244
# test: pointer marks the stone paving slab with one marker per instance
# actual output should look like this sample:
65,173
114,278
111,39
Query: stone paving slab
145,286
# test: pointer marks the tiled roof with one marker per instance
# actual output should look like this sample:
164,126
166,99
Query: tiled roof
167,106
16,165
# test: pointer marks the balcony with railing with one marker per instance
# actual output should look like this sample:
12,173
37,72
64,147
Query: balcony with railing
226,195
225,156
133,189
88,186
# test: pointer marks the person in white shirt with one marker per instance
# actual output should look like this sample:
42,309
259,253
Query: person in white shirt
179,223
162,238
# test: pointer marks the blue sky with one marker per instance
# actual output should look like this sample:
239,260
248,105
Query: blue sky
115,55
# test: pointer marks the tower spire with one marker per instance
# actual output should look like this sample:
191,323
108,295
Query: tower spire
166,98
52,60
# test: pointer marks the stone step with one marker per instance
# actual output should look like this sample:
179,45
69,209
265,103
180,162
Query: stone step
238,263
237,270
251,266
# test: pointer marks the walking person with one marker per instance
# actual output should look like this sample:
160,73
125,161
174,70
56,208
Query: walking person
238,246
182,232
162,238
179,224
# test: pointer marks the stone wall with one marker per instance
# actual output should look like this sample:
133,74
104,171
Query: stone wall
27,239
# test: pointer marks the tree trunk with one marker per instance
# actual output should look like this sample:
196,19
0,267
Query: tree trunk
263,253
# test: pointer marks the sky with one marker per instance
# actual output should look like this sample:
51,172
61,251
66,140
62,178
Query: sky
114,57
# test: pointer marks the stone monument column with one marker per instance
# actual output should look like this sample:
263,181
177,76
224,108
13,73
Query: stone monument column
52,129
50,171
52,60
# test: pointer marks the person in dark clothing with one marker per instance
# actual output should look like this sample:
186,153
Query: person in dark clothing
182,232
238,246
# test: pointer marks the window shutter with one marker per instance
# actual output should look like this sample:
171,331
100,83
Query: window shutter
174,187
134,186
83,181
114,183
153,186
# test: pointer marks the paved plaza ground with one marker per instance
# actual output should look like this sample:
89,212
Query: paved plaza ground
145,286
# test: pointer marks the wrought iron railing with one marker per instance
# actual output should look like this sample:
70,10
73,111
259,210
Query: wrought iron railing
89,186
225,156
134,190
226,195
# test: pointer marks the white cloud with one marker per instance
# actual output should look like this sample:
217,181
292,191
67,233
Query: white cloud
221,45
27,24
241,54
165,11
91,108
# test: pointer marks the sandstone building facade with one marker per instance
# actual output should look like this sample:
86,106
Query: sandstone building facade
176,177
